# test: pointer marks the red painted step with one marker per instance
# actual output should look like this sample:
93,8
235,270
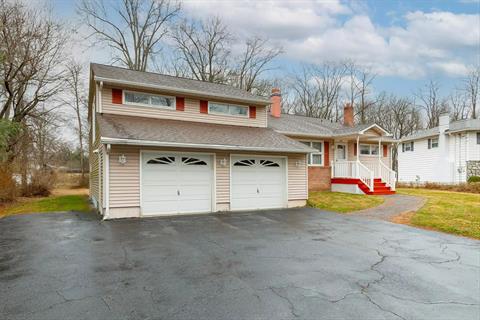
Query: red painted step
379,187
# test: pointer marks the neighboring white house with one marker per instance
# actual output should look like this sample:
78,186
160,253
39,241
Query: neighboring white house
449,153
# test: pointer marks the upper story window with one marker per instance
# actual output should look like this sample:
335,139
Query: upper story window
432,143
478,137
227,109
149,100
407,146
369,149
315,158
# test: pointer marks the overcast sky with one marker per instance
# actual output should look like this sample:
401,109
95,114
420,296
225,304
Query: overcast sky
405,42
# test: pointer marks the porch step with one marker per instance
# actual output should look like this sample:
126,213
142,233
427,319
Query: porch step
379,187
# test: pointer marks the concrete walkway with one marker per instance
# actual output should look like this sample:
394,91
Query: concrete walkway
394,205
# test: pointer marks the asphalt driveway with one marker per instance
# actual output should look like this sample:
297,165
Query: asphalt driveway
288,264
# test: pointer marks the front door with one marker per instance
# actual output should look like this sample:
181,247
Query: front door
341,152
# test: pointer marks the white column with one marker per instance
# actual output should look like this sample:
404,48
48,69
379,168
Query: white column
358,148
379,157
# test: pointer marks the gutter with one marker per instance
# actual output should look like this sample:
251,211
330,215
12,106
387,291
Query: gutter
185,91
134,142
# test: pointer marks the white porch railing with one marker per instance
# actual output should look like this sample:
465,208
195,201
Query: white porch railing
353,169
388,175
366,172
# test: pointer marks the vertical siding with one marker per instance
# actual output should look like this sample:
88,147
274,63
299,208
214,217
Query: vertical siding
125,179
191,112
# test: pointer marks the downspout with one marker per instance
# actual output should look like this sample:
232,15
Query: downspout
100,98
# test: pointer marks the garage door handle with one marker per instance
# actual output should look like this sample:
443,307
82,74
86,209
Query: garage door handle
258,191
178,192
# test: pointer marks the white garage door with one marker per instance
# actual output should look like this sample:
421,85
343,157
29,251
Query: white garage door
176,183
258,183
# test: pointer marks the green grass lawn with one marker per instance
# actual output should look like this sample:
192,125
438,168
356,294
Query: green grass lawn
342,202
58,203
447,211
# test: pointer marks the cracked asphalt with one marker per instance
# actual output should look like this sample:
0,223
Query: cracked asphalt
281,264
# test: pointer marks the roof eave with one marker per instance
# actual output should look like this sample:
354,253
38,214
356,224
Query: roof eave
183,91
300,134
153,143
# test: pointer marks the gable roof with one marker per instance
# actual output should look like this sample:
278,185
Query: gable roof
122,76
308,126
116,129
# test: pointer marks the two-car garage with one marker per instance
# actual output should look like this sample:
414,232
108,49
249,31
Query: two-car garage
178,183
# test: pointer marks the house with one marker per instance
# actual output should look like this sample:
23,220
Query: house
449,153
162,145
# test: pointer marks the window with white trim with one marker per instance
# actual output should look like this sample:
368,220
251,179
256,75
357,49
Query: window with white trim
432,143
369,149
149,100
315,158
227,109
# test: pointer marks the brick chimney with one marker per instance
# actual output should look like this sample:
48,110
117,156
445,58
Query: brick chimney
348,115
276,99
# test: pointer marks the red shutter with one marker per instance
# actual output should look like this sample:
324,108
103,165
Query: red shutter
355,149
203,106
252,112
326,146
385,150
117,96
180,102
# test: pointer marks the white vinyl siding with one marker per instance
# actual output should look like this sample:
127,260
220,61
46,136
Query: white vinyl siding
419,164
191,112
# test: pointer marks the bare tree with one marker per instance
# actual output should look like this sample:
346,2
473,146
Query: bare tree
458,105
31,71
472,87
204,47
253,63
317,90
76,100
431,102
133,29
359,88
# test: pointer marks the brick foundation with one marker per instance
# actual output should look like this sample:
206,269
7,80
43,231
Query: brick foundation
319,178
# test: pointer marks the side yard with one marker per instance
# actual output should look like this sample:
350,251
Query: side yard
62,200
447,211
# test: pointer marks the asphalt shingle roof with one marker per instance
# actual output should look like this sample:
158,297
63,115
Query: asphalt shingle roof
301,125
196,134
455,126
177,84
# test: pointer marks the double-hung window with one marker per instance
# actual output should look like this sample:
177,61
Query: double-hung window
407,146
227,109
432,143
369,149
149,100
315,158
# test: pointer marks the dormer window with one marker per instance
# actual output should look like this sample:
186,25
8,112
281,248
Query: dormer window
148,100
227,109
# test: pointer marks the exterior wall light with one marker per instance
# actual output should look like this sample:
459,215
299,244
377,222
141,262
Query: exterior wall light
122,159
223,162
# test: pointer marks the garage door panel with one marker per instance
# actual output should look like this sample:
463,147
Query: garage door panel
259,183
176,183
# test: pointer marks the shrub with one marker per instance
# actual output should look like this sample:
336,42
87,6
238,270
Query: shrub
41,184
473,179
